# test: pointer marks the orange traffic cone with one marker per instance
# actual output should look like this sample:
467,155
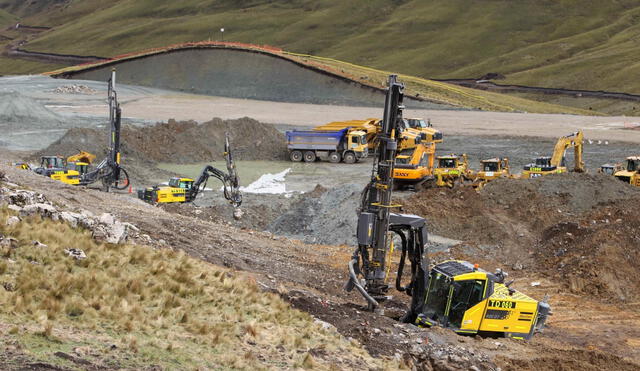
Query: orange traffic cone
130,189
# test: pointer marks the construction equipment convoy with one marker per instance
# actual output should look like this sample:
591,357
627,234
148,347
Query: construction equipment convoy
187,189
453,294
347,144
414,131
556,164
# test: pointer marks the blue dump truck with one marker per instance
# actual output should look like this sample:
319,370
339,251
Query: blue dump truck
348,145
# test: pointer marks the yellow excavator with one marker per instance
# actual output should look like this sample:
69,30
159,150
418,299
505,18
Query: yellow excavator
630,171
452,169
556,163
492,168
414,167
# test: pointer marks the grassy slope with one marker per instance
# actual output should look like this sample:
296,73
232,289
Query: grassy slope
158,307
539,42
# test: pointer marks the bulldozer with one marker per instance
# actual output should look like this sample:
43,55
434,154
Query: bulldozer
492,168
414,167
630,171
456,295
556,164
180,190
451,170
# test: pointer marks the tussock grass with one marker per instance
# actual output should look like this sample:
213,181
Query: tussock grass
159,306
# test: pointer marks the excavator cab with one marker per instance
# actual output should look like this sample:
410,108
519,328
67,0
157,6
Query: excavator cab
183,183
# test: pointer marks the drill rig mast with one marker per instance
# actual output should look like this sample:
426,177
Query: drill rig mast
377,224
109,170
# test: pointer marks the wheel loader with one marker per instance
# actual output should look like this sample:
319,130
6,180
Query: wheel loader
492,168
453,294
451,170
630,171
556,164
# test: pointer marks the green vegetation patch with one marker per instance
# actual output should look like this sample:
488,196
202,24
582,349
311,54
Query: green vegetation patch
134,306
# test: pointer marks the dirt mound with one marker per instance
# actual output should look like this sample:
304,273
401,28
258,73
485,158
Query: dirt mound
323,216
17,108
181,142
579,228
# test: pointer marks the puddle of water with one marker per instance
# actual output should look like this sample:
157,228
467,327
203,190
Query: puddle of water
302,177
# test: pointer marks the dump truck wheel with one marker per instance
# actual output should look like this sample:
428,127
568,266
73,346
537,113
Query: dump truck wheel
349,158
334,157
295,156
309,156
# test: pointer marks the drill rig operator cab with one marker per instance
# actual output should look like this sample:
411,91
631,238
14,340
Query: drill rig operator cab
55,167
469,300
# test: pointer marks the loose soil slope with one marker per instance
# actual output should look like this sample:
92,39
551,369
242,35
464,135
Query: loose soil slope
580,229
176,142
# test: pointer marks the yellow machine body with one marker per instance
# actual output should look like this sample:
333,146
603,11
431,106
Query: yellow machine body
175,191
469,300
82,156
414,166
491,169
451,169
556,163
55,167
630,172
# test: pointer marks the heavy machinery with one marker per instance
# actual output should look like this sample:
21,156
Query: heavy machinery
413,131
187,189
414,167
55,167
556,164
610,169
348,145
492,168
451,170
630,171
369,268
109,171
454,294
468,300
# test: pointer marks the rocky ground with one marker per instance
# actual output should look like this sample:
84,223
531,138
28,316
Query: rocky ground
311,277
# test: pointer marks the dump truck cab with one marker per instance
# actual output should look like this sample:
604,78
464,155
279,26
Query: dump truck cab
468,300
630,171
421,126
55,167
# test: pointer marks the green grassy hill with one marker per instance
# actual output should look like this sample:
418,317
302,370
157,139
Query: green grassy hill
560,43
